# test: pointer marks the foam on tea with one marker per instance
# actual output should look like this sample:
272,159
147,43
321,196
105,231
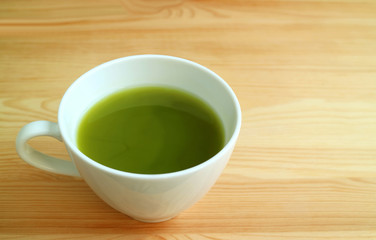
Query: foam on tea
150,130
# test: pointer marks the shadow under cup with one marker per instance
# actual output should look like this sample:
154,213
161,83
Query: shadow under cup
156,197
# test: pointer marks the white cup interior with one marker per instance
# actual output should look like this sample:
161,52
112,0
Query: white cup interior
146,70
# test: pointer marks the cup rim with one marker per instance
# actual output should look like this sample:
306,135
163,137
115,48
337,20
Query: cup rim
144,176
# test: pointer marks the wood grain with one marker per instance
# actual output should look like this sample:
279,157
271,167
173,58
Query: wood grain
305,75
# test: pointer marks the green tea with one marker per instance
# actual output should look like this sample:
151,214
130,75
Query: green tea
150,130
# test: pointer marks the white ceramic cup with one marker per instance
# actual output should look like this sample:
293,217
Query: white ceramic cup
145,197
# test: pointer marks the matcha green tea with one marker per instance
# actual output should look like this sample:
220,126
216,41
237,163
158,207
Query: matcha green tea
150,130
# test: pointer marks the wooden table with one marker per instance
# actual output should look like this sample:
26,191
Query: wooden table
305,75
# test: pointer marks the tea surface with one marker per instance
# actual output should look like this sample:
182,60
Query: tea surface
150,130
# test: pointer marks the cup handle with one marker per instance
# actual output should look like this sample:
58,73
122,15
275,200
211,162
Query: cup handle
38,159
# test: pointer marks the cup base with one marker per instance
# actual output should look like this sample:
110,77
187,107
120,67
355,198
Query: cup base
152,220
